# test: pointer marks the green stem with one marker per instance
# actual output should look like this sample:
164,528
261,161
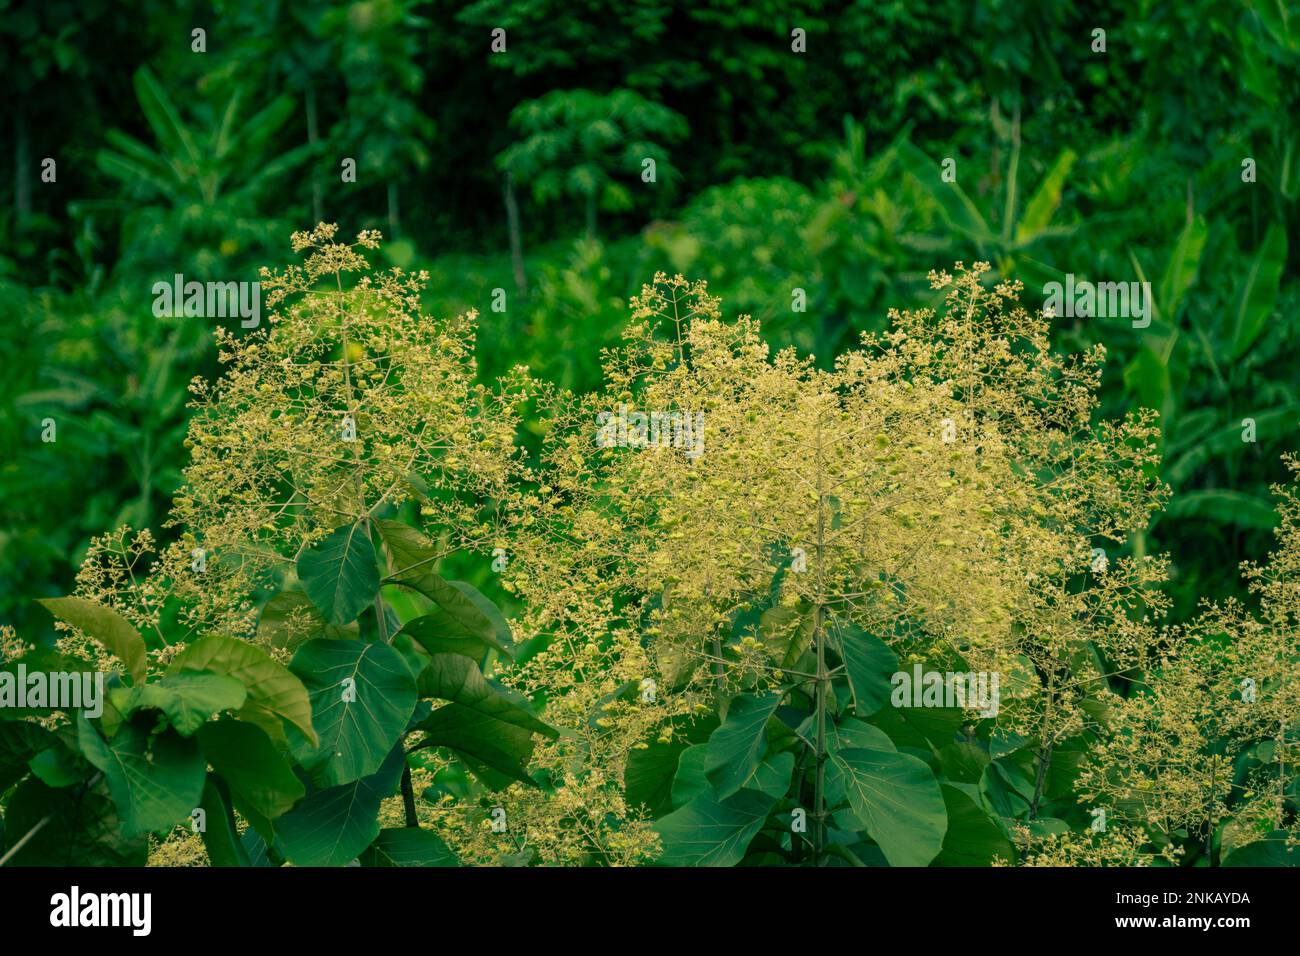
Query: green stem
1044,751
408,799
823,680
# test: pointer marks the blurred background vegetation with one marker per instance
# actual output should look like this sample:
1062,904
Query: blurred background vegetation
521,170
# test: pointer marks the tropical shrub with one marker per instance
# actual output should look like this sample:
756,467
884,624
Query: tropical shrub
198,186
934,499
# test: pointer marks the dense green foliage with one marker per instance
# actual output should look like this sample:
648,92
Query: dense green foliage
776,170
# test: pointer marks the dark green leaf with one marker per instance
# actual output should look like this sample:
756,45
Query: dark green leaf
458,679
895,798
155,781
440,633
692,775
410,552
1007,790
462,613
650,771
362,696
188,700
963,762
738,745
339,573
712,832
1224,506
870,663
20,741
106,626
76,828
973,838
274,693
408,846
919,727
1269,850
332,827
258,775
497,751
220,838
1257,295
1184,263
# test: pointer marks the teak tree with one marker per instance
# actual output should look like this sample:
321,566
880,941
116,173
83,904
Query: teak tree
275,609
934,497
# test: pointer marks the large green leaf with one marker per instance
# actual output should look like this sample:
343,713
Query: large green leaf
772,775
1180,272
1276,19
692,778
1257,295
170,131
409,551
240,133
963,762
408,846
188,700
650,771
708,831
894,798
462,614
1042,205
463,617
258,851
340,574
869,663
1007,788
332,827
61,764
106,626
738,745
973,838
260,779
850,733
442,633
274,693
1224,506
1270,850
1271,425
919,727
458,679
220,838
135,160
362,696
497,751
156,781
1147,377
